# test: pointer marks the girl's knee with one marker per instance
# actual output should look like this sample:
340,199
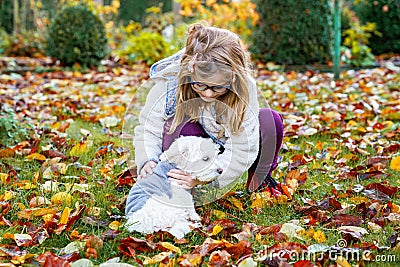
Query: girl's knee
267,115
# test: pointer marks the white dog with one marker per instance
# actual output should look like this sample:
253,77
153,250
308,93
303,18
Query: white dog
155,204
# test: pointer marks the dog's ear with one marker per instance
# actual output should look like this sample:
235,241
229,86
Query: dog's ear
177,152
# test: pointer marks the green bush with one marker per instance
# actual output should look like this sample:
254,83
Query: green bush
293,31
146,46
12,130
6,16
4,42
76,35
386,15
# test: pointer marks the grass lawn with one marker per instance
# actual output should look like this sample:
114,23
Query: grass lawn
63,186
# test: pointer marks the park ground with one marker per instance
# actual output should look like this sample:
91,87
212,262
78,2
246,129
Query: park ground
65,179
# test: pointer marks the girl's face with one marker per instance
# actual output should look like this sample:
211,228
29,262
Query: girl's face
209,90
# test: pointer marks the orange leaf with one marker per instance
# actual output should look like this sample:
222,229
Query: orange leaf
7,153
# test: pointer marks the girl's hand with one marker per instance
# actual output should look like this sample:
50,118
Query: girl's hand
183,179
147,169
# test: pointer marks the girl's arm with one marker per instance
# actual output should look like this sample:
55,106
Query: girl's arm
148,134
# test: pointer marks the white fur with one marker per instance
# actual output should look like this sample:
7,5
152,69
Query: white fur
177,215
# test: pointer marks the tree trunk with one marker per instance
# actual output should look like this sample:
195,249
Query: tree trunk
176,7
24,15
17,21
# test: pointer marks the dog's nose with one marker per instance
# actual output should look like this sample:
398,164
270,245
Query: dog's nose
219,170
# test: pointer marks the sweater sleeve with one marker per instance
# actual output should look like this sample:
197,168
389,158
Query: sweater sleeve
241,150
148,134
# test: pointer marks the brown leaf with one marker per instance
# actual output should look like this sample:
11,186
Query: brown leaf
229,227
240,249
386,189
208,246
95,242
286,248
219,258
344,219
35,212
130,245
54,154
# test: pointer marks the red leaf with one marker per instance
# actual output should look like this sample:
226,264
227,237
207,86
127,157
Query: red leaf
49,259
303,263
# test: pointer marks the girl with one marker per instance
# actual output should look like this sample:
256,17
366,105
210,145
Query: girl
207,90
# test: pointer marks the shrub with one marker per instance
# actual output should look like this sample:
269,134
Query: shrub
293,31
356,40
146,46
76,35
12,131
4,42
386,15
220,14
25,44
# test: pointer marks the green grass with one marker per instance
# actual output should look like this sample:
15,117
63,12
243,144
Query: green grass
105,194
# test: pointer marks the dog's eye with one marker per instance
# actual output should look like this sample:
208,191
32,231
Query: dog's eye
206,158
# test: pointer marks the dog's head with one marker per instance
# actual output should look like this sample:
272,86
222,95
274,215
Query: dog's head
194,155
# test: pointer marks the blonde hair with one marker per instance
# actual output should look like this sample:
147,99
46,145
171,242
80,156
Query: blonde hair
211,50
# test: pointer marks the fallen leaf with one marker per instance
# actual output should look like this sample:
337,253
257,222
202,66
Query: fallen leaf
355,231
61,198
395,163
157,258
36,156
292,230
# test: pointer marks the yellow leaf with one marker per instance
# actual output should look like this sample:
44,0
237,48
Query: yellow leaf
216,229
78,150
3,177
35,212
36,156
237,203
342,262
61,198
94,211
171,247
319,236
358,200
26,185
47,218
395,163
7,195
114,225
219,214
65,215
157,258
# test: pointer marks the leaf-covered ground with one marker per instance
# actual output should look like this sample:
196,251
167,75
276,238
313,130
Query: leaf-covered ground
65,179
